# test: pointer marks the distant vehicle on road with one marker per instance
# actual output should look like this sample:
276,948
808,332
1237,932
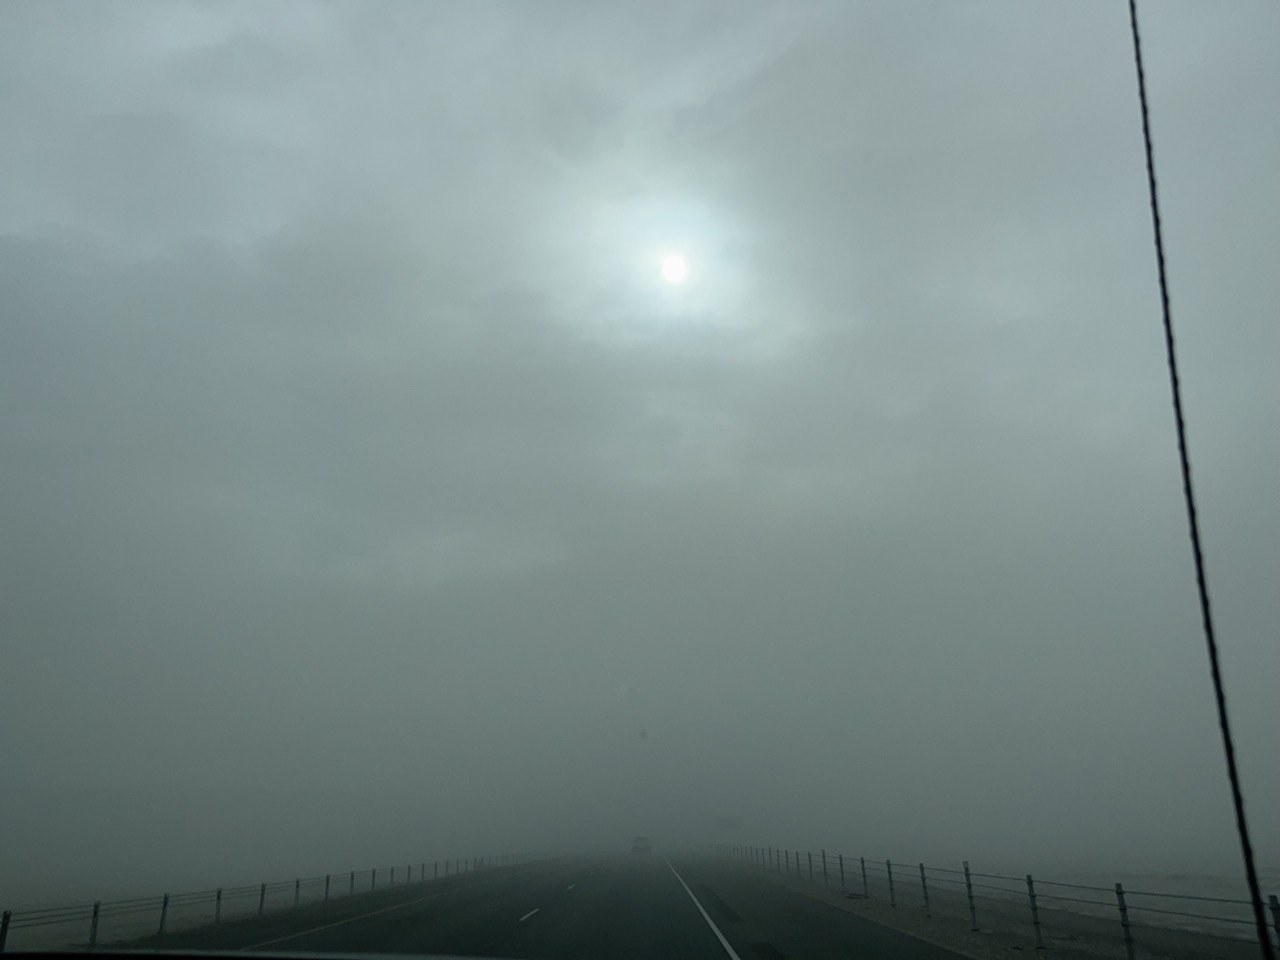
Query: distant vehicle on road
640,847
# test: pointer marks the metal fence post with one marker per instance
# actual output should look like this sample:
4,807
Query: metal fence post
841,856
262,898
968,887
787,857
866,890
824,868
392,882
326,886
924,891
1035,911
93,924
217,906
4,927
353,882
297,891
810,856
893,901
373,879
1124,921
769,862
164,914
1275,919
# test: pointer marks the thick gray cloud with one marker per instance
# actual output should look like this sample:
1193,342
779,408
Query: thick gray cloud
366,493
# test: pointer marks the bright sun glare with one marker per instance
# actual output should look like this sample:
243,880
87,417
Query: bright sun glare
674,268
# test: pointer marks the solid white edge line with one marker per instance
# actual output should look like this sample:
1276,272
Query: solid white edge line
529,914
338,923
711,923
371,913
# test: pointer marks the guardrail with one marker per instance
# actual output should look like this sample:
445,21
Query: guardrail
1046,911
103,921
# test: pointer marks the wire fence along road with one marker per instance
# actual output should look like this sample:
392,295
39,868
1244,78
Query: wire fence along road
1047,911
107,921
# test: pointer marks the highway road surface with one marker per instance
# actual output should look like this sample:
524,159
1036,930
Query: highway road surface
573,909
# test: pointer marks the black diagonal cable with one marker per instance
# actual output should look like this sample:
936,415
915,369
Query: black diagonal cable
1206,616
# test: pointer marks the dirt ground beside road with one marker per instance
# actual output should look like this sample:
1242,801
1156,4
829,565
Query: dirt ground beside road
1005,931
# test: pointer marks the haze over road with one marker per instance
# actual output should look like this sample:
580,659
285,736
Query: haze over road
430,428
576,908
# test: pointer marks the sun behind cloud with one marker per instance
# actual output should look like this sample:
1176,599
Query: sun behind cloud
674,268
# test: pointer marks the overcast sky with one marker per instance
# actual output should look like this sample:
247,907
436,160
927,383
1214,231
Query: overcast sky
367,495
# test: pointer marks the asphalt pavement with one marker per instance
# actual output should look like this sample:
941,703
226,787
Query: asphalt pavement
574,909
